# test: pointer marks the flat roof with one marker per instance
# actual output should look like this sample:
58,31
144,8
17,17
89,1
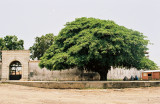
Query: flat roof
151,71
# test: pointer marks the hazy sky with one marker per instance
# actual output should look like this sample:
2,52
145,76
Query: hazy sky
30,18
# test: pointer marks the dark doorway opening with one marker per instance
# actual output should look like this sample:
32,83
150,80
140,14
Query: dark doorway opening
15,71
149,76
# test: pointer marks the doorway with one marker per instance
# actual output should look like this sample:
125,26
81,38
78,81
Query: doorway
15,71
150,76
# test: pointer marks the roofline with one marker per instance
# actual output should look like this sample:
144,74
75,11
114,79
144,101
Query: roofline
15,50
151,71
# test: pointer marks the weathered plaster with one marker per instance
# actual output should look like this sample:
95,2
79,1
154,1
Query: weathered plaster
17,55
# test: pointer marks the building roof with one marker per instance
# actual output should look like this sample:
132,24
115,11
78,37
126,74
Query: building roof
151,71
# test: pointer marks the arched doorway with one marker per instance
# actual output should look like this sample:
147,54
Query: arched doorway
15,71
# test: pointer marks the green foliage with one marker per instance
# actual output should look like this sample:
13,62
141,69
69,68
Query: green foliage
41,45
11,43
145,63
94,44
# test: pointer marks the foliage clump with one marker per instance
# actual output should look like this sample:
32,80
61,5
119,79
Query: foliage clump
41,45
96,45
10,42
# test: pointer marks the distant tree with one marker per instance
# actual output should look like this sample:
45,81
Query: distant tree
41,45
96,45
1,43
1,47
11,43
146,63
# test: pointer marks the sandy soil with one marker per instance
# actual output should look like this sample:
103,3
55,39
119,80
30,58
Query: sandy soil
16,94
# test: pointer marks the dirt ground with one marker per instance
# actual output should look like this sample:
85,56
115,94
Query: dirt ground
16,94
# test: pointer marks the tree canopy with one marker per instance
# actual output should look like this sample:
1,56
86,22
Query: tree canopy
96,45
11,43
41,45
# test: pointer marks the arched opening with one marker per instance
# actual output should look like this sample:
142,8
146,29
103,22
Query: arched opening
15,71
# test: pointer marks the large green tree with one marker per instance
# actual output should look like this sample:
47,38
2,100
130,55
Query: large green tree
41,45
11,42
96,45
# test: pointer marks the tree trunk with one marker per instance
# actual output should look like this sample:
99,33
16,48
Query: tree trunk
103,75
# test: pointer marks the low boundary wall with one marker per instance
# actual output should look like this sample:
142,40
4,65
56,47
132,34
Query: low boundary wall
86,84
38,74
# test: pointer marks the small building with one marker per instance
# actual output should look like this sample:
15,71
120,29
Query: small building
151,75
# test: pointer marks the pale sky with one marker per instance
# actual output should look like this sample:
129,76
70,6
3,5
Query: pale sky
30,18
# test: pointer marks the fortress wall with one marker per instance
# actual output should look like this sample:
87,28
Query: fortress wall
38,74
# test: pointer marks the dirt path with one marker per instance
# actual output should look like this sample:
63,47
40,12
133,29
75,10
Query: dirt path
16,94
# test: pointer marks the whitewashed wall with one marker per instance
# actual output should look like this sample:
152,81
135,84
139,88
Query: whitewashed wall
0,69
43,74
74,75
120,73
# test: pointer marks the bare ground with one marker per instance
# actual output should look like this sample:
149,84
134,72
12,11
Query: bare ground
16,94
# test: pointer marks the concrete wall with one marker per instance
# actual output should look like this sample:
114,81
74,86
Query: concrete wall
38,74
86,84
120,73
0,69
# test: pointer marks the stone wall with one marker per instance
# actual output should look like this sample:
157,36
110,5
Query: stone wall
86,84
0,69
15,55
38,74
